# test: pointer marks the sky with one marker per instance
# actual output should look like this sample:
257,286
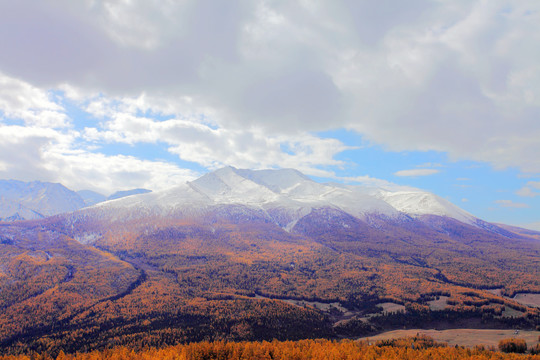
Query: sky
441,95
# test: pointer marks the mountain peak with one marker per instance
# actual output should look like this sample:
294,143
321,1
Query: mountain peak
229,184
36,199
228,178
276,180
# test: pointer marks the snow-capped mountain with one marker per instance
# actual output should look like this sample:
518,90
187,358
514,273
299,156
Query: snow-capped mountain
21,200
24,201
286,194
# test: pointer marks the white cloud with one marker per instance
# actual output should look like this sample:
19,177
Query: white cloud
529,189
201,139
430,165
511,204
106,174
139,24
527,192
20,100
370,181
22,151
534,184
240,82
416,172
57,153
217,147
30,153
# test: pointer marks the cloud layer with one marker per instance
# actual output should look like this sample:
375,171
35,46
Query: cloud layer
416,172
250,83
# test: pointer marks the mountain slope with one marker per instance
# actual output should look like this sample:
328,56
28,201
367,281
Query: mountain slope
253,255
34,200
423,203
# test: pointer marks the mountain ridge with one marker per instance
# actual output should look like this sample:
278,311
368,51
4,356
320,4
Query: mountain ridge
21,200
282,194
34,200
290,191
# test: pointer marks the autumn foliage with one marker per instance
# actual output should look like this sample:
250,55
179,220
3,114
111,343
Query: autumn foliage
81,284
411,348
513,346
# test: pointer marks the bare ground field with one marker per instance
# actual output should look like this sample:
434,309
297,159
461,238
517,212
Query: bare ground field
439,304
528,299
462,337
509,312
391,307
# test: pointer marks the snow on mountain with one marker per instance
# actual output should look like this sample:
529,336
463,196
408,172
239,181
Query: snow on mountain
91,197
287,190
228,186
24,201
423,203
286,196
278,181
180,200
12,211
124,193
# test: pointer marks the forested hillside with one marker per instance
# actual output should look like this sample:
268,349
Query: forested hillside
417,348
162,281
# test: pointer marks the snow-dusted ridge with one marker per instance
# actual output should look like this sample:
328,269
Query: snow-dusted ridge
424,203
288,192
34,200
21,200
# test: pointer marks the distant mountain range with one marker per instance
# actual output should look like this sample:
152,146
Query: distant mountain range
36,200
